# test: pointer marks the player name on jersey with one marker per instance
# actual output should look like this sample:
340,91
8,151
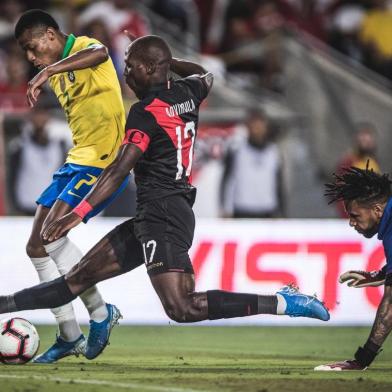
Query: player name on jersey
180,108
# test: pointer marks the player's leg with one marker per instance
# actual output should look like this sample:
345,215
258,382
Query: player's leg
118,253
70,333
184,305
63,251
115,254
66,254
103,316
166,234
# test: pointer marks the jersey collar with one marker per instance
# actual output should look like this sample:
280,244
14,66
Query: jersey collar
68,45
385,220
159,87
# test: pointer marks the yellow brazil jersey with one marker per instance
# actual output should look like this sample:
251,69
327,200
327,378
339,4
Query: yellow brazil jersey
91,99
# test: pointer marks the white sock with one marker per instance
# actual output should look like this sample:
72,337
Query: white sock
282,305
65,316
66,254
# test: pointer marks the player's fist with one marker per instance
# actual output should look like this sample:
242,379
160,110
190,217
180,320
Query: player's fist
340,366
360,279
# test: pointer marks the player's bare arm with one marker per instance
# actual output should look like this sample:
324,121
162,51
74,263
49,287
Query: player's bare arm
383,323
365,355
186,68
85,58
107,183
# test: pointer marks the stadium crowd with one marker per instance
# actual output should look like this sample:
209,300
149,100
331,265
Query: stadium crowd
361,30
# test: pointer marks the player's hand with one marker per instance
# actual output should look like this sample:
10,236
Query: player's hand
60,226
34,86
339,366
360,279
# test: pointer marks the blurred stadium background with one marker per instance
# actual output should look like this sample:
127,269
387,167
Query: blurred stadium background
317,72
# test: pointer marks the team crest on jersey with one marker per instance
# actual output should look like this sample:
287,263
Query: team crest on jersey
71,76
62,83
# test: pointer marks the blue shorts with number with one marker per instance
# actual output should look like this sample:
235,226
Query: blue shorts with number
71,183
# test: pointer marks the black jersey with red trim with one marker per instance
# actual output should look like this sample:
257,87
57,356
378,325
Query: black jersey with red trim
164,126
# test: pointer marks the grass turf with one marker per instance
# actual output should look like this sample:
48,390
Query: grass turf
207,359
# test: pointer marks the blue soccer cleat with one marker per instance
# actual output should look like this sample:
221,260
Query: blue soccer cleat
99,334
301,305
61,349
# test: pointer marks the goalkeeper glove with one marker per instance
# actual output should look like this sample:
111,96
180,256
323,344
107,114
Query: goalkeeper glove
360,279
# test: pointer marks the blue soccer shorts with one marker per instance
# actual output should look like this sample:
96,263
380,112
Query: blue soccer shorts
71,183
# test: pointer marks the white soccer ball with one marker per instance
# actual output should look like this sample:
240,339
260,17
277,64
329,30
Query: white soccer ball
19,341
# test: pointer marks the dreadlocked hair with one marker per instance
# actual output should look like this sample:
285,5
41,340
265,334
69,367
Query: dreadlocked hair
363,185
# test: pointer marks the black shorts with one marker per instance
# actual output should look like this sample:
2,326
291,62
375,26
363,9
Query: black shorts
160,235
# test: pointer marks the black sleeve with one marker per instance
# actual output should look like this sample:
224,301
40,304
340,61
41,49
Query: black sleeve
197,85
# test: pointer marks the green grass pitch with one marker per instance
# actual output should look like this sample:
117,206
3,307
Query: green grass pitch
207,359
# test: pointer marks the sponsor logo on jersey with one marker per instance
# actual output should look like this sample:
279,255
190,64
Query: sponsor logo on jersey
71,76
180,108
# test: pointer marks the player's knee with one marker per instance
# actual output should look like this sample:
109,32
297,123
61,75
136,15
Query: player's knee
180,312
35,249
176,314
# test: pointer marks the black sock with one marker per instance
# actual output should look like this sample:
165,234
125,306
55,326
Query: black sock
223,304
268,304
46,295
7,304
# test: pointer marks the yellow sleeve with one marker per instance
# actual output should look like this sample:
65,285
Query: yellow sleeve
87,42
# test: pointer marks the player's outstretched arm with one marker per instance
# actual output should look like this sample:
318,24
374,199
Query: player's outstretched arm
381,329
109,181
85,58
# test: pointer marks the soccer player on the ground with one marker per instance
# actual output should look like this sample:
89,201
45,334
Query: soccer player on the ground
83,77
161,131
368,202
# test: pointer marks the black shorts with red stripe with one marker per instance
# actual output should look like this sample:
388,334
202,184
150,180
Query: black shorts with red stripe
160,235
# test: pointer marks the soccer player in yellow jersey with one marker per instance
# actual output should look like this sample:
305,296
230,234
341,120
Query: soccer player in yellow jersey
82,75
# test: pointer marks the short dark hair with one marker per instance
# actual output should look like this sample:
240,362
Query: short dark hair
362,185
152,48
34,18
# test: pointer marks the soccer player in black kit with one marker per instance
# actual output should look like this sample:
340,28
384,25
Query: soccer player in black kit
160,134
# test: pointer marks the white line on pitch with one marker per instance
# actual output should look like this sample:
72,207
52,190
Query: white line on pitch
101,382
